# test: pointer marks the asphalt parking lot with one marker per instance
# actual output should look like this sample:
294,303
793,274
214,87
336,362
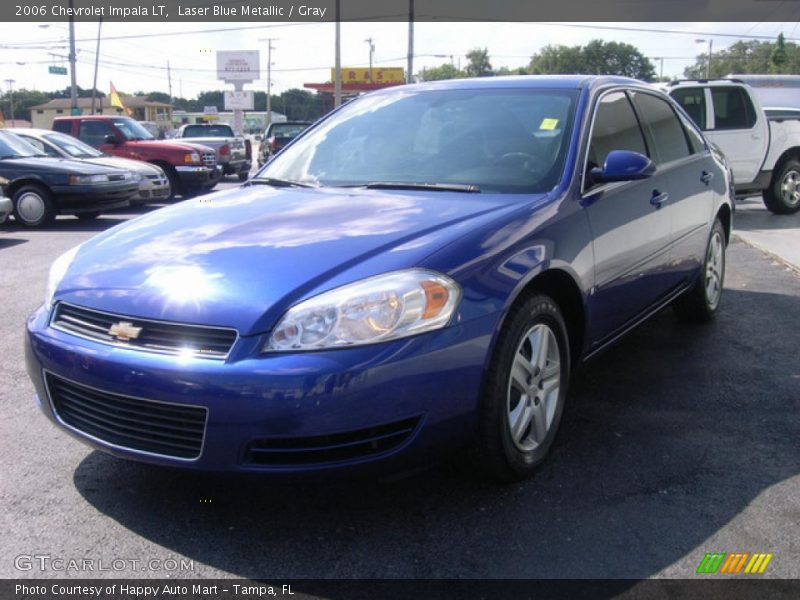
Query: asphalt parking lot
681,440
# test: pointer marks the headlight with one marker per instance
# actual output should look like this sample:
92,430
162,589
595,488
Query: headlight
84,179
377,309
3,181
191,158
137,177
57,272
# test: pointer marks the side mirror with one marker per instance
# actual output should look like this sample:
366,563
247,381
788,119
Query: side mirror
623,165
110,139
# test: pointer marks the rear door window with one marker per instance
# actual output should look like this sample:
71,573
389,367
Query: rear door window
664,130
732,108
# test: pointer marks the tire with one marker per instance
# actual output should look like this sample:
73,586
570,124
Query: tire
242,176
701,302
508,449
33,206
88,216
174,183
782,197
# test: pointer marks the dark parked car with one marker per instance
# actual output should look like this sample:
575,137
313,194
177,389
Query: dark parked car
153,183
420,270
42,187
276,136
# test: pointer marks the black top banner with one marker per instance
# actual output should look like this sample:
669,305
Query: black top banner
400,10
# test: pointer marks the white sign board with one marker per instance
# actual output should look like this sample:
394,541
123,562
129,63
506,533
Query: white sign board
238,65
243,100
210,110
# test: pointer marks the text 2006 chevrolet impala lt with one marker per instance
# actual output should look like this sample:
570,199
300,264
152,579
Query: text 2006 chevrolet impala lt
421,269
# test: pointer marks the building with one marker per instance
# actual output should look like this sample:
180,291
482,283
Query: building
142,109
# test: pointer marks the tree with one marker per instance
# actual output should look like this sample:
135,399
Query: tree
23,100
443,71
595,58
778,57
751,57
479,65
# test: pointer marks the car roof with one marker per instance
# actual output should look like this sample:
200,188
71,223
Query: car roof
525,81
33,131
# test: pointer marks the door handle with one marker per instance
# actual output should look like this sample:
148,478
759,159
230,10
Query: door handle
706,177
658,198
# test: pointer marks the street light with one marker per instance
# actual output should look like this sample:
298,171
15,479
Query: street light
710,46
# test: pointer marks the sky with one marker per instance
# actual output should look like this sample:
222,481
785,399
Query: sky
304,53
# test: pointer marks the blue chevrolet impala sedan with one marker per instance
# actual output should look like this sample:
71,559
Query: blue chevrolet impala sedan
420,271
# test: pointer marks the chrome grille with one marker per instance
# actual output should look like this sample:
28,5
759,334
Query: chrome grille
167,429
210,159
154,336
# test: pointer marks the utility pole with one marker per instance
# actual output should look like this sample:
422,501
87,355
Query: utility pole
337,84
96,61
169,82
73,91
269,75
410,41
10,83
710,49
371,51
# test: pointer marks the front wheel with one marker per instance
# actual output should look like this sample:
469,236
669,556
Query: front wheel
526,389
701,302
782,197
33,206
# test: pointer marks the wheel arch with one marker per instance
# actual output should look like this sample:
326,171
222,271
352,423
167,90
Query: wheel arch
563,288
12,187
787,155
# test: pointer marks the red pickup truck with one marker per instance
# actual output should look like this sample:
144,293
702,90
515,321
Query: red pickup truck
190,167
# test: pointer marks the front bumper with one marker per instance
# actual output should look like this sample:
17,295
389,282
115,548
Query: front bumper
6,206
198,177
71,199
151,190
432,379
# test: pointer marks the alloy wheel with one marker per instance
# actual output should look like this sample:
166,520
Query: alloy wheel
715,269
533,387
790,188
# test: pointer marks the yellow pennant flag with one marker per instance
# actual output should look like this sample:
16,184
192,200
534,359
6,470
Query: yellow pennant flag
2,120
116,101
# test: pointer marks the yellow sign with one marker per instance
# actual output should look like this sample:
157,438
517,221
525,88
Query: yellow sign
379,75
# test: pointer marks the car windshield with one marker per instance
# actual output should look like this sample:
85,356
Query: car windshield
13,147
287,130
207,131
492,140
73,146
132,130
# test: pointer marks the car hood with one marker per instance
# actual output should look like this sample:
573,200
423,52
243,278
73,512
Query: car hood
41,164
182,144
137,166
241,257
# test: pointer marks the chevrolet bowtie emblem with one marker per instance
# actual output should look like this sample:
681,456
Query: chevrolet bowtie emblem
124,331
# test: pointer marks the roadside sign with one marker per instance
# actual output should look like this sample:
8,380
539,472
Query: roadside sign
242,100
210,110
238,65
55,70
379,75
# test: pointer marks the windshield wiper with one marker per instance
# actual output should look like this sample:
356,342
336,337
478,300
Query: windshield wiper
277,182
436,187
